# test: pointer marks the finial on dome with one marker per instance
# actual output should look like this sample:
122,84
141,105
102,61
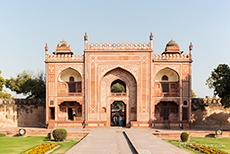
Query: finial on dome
151,36
85,37
46,48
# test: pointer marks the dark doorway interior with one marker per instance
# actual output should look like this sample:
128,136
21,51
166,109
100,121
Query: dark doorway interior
52,113
70,113
118,114
185,113
165,113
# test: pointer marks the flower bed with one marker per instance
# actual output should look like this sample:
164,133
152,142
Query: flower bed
204,149
43,148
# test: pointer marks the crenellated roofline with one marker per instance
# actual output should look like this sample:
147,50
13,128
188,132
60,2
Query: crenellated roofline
64,58
118,47
172,57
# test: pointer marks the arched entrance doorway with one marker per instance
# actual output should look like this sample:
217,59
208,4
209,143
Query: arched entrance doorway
118,85
118,113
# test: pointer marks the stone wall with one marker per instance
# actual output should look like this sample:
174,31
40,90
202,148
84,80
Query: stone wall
209,113
206,113
22,112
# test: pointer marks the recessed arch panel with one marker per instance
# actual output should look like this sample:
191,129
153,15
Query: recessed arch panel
70,73
171,74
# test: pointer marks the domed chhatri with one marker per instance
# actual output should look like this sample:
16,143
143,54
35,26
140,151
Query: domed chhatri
63,48
172,43
172,48
63,43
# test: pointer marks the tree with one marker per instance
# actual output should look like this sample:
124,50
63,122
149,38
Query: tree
5,95
220,82
2,82
28,84
117,88
193,95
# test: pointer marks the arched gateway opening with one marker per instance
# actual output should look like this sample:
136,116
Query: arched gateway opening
118,113
118,87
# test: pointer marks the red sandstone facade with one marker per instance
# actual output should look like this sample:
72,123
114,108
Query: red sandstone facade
156,87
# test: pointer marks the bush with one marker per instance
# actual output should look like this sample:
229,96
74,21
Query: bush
59,134
184,137
2,135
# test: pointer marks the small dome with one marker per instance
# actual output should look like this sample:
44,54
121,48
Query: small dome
63,43
172,43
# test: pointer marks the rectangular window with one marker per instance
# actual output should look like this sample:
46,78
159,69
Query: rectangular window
185,113
52,113
165,87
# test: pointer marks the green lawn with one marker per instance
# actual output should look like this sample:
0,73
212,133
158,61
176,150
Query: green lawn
217,143
17,145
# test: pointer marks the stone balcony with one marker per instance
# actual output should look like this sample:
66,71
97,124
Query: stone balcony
168,94
118,94
79,94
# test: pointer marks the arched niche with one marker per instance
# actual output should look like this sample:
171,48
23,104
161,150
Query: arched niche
168,74
70,73
70,81
167,83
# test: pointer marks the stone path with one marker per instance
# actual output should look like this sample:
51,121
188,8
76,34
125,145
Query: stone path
113,141
146,143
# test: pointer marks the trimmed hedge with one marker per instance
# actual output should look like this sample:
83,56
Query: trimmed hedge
59,134
184,137
2,135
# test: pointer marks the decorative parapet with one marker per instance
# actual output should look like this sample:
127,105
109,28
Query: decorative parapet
64,57
171,57
118,46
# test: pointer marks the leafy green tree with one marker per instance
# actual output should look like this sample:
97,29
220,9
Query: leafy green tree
193,95
2,82
118,86
118,105
28,84
5,95
220,82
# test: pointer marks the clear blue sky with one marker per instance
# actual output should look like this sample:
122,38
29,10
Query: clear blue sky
27,25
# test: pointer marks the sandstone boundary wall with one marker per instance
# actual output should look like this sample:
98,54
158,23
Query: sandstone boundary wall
22,112
209,113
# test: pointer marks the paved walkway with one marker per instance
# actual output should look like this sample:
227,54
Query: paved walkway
113,141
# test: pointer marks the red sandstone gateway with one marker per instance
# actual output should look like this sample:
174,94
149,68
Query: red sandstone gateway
118,85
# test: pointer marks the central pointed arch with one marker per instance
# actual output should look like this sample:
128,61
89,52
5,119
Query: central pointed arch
129,98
